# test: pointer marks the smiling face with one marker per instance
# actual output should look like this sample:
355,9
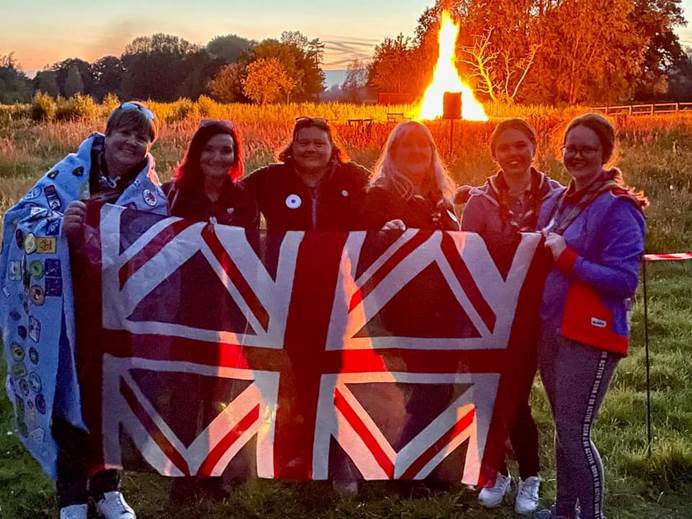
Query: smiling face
126,147
412,154
514,152
311,149
218,156
583,154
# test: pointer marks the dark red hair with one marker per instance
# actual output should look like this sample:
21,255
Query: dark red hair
188,174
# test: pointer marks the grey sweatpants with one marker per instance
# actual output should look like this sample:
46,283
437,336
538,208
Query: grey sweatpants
576,378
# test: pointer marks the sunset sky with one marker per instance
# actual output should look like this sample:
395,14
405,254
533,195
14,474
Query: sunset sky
42,32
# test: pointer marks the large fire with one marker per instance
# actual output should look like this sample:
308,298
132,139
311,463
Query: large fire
446,79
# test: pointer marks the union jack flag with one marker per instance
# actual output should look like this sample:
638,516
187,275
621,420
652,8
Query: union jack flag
206,349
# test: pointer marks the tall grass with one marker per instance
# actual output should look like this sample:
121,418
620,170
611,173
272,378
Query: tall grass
655,154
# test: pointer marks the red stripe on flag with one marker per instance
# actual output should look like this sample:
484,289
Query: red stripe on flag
407,248
440,444
156,434
235,276
227,441
364,433
151,248
462,273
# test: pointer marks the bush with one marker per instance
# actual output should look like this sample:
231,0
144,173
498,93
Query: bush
76,108
43,107
109,103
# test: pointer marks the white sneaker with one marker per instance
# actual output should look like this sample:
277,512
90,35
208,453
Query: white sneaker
492,497
527,495
113,506
74,512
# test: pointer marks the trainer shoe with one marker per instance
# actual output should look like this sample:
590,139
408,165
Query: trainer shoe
492,497
527,495
113,506
74,512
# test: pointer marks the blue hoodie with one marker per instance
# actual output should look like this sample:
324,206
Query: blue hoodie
588,290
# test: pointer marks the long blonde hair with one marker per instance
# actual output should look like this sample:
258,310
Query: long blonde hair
389,177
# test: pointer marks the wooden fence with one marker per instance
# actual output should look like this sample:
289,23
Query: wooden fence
650,109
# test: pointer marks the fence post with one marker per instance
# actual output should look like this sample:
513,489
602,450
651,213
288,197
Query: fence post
649,435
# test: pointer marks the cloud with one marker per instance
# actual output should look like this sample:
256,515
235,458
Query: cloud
341,50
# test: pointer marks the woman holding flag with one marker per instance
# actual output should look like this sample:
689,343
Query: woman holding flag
38,320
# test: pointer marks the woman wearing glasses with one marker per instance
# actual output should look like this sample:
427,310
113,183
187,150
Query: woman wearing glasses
507,204
411,187
313,187
595,233
206,186
116,167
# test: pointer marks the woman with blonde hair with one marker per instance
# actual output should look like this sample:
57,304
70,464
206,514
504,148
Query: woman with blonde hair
411,187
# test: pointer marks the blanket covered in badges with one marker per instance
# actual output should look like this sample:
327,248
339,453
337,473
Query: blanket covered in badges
36,304
378,355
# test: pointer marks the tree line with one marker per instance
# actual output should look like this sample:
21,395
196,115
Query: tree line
164,67
549,51
528,51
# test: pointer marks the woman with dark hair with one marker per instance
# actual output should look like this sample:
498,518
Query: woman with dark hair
205,188
116,167
507,204
595,233
205,185
411,187
313,187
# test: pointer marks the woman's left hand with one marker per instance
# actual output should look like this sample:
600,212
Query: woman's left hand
555,242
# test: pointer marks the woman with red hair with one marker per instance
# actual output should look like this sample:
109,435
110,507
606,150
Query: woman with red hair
205,189
205,185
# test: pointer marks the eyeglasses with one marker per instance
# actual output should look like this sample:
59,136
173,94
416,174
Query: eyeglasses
130,105
584,151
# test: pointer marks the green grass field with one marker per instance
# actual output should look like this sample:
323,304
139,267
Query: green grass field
656,156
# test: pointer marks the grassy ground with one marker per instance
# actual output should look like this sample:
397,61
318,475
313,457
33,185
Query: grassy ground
656,155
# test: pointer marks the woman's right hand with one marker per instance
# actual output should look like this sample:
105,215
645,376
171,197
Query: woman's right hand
394,225
73,222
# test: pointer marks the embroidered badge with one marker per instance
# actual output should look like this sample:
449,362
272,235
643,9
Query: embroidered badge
46,245
149,197
24,387
17,352
37,295
15,271
53,268
34,329
21,331
53,198
36,269
41,403
29,243
35,383
19,370
33,194
53,287
53,227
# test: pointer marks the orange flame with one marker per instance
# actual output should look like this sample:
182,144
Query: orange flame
446,79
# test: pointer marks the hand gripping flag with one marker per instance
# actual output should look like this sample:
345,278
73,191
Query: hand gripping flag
36,303
207,350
